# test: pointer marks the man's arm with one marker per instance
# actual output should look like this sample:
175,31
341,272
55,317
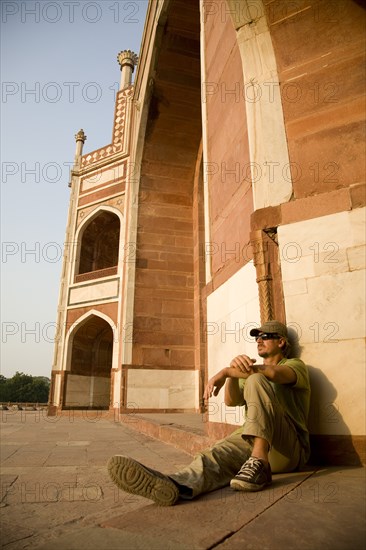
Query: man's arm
233,393
243,366
240,367
280,374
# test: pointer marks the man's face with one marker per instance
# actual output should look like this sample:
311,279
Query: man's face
270,345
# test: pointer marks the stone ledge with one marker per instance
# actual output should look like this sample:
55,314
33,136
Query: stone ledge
187,438
306,208
332,450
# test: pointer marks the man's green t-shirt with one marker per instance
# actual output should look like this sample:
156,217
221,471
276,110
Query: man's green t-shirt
295,398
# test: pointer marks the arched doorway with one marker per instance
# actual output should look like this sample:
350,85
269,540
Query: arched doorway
88,378
99,247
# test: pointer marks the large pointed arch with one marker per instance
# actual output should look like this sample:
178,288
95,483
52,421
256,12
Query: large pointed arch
166,227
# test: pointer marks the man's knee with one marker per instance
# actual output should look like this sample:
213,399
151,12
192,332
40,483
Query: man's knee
257,383
257,379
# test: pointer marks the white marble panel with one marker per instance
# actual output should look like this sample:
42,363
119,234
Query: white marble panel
115,173
357,219
356,257
325,235
330,316
337,372
57,389
94,292
196,393
238,290
319,246
77,391
159,389
266,128
117,388
86,391
295,287
294,264
232,310
332,309
331,261
100,395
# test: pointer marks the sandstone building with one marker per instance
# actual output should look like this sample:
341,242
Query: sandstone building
232,192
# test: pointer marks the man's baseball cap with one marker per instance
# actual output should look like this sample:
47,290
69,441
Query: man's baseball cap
274,327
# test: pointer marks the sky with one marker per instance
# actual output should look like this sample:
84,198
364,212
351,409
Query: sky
59,73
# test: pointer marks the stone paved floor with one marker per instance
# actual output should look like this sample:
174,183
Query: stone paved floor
56,494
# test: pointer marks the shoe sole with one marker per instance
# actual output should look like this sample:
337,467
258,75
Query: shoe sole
238,485
131,476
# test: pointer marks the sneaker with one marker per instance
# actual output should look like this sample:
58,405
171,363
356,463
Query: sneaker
252,476
131,476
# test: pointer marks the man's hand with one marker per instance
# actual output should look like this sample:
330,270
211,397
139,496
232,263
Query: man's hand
241,366
244,364
215,384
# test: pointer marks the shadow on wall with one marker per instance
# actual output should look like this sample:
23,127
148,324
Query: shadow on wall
330,438
293,339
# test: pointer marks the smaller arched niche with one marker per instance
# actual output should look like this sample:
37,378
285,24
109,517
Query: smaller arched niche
99,247
89,374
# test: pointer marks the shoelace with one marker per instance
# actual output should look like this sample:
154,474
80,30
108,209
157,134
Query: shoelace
251,466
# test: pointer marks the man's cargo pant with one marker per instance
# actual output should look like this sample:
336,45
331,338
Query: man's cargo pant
215,467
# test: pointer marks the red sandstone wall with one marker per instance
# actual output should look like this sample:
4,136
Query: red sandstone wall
230,193
319,47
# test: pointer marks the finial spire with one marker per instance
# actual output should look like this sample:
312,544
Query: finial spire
127,60
80,138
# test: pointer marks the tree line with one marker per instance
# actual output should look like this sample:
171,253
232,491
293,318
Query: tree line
24,388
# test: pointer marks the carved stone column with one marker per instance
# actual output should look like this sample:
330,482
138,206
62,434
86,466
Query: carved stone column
265,256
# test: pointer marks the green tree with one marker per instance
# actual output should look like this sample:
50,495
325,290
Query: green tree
4,390
23,388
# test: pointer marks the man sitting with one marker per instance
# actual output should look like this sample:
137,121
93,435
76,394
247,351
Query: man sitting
274,437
